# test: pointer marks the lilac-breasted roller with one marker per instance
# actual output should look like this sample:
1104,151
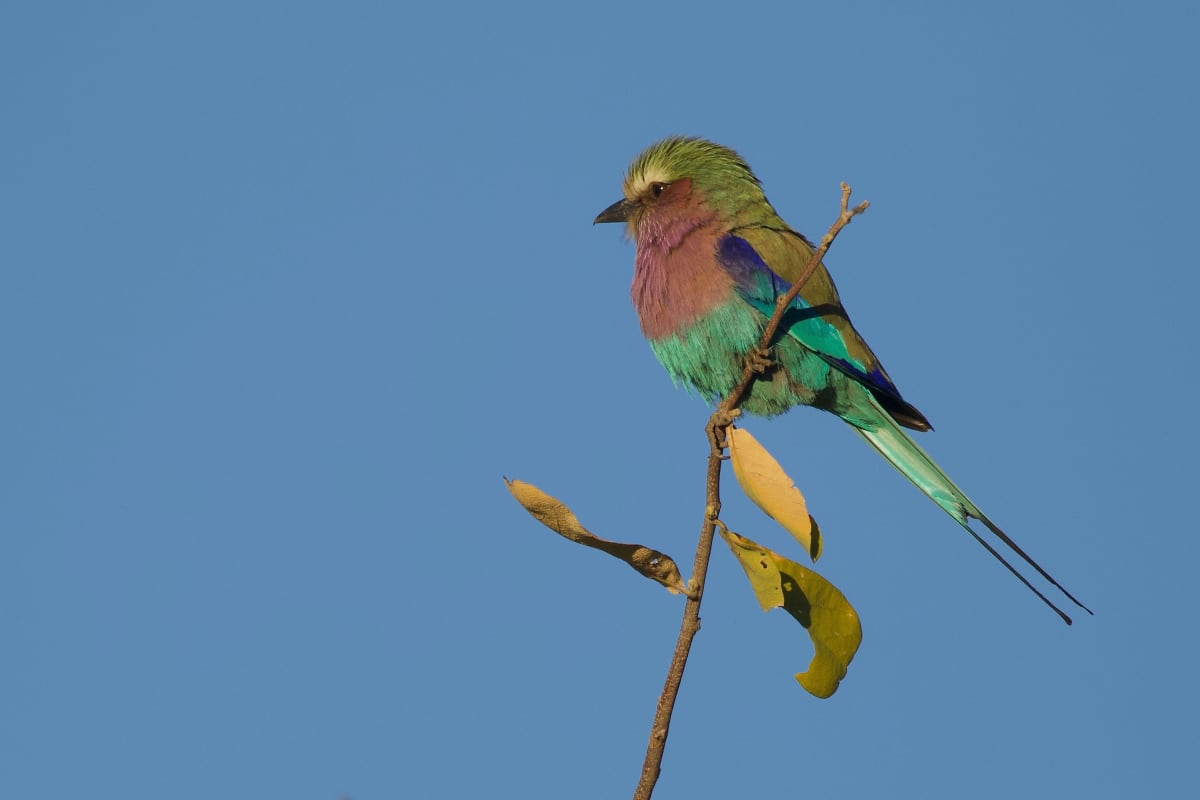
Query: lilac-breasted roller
712,258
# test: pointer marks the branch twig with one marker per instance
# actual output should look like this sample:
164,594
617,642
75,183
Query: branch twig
716,428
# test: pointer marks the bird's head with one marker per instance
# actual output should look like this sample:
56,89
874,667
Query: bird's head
683,177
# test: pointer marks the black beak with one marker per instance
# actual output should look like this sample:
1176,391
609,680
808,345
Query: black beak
617,212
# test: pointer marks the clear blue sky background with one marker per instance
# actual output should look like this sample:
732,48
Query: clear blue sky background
286,288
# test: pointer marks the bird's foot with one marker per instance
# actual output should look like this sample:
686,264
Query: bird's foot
718,424
760,361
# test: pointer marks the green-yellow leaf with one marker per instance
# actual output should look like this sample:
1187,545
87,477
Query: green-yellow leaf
557,517
831,621
765,482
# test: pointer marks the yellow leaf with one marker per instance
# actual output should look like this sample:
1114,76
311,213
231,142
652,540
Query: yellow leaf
765,482
831,621
560,519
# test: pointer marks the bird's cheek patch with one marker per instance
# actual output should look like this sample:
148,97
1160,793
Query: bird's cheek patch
678,191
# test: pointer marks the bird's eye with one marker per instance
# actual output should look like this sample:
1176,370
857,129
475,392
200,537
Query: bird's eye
657,189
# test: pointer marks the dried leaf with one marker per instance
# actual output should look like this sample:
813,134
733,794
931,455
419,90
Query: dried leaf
557,517
831,621
765,482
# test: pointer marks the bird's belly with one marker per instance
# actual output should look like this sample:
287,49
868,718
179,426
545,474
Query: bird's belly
709,356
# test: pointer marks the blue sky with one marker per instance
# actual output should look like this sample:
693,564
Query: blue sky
286,288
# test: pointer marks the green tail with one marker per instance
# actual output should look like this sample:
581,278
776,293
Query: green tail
903,453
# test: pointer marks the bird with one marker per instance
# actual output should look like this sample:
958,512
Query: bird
712,258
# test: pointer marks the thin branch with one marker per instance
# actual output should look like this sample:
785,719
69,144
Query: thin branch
652,765
717,426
